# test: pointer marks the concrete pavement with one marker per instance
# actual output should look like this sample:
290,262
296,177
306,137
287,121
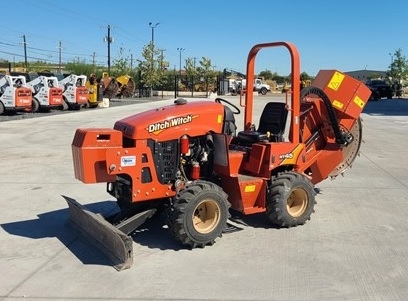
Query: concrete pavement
354,247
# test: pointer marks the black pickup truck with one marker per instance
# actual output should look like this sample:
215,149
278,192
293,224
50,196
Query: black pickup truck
379,88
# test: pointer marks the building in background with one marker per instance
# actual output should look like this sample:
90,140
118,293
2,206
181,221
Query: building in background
364,75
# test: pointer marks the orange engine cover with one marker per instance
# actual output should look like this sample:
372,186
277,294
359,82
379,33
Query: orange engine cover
173,121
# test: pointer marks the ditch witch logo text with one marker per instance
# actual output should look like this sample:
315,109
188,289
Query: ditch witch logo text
156,128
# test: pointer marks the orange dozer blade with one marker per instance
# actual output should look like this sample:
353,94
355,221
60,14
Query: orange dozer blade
115,245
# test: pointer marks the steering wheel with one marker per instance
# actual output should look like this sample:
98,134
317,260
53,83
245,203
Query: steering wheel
220,100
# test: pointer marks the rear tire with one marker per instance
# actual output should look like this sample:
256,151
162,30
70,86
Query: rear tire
290,200
199,214
1,108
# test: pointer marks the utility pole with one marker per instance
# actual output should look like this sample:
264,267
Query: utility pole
109,40
59,60
94,61
25,52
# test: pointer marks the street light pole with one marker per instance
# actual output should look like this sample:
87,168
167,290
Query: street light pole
180,50
392,62
153,27
152,49
393,75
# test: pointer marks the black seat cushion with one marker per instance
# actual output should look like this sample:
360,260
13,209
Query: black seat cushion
251,137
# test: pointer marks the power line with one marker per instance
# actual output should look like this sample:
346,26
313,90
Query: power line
8,44
45,50
29,57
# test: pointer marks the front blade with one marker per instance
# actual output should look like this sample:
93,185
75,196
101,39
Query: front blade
114,244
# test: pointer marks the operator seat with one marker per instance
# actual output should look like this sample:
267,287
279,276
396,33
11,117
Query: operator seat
273,121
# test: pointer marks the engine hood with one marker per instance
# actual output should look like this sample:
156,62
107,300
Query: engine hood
171,122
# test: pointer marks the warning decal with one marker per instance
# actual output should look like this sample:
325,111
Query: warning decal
359,102
336,81
249,188
337,104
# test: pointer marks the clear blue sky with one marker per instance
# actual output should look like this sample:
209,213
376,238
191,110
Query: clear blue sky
345,35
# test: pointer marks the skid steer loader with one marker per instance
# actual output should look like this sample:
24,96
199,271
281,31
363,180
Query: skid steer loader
47,94
15,96
74,91
190,159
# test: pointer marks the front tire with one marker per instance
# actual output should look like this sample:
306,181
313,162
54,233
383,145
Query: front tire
199,214
65,105
35,106
290,200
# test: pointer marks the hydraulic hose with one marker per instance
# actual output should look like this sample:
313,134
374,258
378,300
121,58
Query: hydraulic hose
341,138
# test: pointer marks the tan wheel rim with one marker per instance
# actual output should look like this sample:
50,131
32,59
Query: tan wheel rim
206,216
297,202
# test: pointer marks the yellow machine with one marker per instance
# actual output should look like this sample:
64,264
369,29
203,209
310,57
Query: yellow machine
110,86
126,86
95,91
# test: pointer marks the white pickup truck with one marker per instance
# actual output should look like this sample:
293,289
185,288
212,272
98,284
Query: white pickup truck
259,86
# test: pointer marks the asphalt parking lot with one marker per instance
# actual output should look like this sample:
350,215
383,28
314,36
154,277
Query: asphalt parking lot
354,247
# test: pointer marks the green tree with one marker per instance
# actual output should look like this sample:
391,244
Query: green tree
38,66
191,72
79,68
279,78
206,73
304,76
201,77
398,69
266,74
151,71
121,64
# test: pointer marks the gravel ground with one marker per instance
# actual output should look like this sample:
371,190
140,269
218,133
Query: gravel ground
112,103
